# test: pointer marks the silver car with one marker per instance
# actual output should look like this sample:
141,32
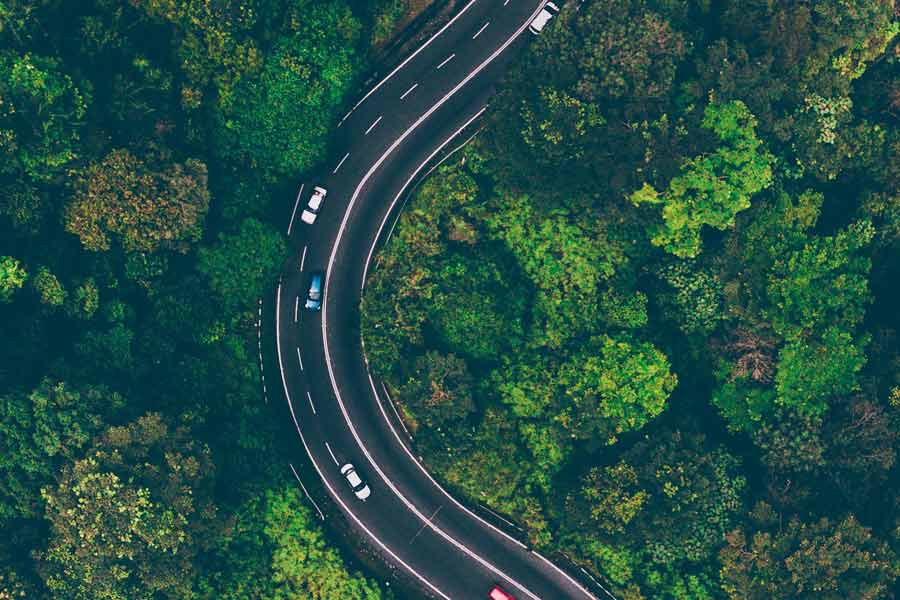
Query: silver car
359,488
548,12
314,205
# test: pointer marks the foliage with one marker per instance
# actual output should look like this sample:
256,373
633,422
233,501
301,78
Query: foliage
712,188
49,289
41,112
277,121
12,277
41,431
242,264
127,520
818,559
144,206
276,550
439,390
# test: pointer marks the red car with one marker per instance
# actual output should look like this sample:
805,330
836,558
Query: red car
498,594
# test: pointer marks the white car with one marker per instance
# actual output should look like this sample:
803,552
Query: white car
314,205
549,11
359,488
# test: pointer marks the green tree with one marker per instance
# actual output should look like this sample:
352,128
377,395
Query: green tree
279,121
85,300
129,519
142,205
241,265
439,391
714,187
41,113
824,283
824,559
607,388
39,432
277,550
565,258
12,277
810,372
49,289
475,309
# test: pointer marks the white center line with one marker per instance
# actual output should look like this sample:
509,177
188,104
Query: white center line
296,204
406,93
313,407
340,163
296,308
303,258
483,27
372,126
331,453
446,60
299,359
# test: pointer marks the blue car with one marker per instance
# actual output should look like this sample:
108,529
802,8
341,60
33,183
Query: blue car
314,294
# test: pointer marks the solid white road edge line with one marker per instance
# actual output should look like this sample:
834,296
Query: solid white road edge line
310,498
406,93
446,60
340,163
294,213
318,469
411,56
483,27
326,296
372,126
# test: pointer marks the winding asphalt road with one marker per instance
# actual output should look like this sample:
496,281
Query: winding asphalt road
405,123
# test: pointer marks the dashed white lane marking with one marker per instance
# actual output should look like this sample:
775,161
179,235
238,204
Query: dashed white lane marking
303,258
410,57
505,2
311,405
372,126
318,469
296,308
299,359
483,27
294,213
340,163
331,453
446,60
407,92
303,487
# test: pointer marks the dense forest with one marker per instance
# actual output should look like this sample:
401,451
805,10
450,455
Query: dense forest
145,146
650,312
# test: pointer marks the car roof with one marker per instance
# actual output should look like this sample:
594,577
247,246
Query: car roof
498,594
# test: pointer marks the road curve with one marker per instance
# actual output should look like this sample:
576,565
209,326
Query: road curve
407,122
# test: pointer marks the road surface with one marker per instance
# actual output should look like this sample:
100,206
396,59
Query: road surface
405,123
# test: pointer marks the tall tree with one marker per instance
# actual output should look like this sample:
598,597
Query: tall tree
825,559
711,188
144,205
130,518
